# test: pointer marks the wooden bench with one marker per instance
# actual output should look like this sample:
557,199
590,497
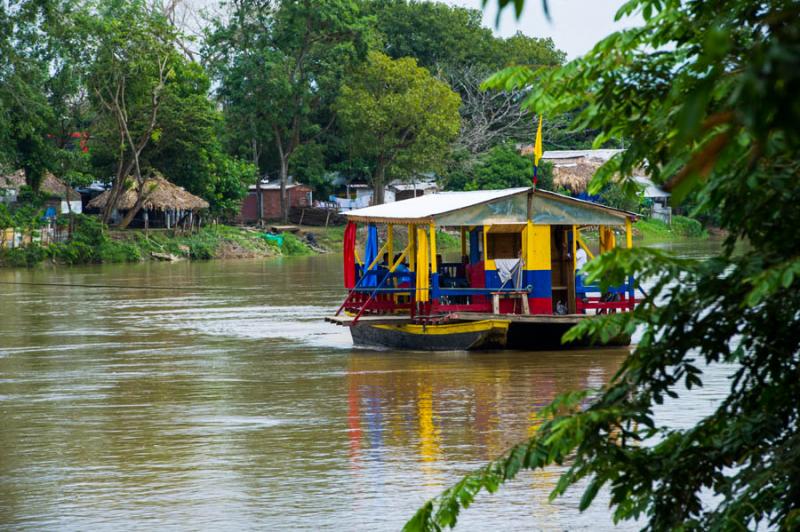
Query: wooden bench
522,295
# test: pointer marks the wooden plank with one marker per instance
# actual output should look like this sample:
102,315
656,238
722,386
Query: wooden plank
284,228
369,320
519,318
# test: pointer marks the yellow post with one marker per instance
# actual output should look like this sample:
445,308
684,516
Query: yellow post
574,244
433,249
628,233
423,281
390,243
412,242
463,241
485,250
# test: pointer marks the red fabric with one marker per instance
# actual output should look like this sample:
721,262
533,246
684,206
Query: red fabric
350,255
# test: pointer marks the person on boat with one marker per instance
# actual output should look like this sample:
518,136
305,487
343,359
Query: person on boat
580,259
404,281
402,267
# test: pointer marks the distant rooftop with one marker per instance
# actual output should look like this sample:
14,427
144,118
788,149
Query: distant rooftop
555,155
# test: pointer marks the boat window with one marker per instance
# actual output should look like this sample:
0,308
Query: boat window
503,245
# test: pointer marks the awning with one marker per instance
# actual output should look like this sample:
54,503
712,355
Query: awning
492,207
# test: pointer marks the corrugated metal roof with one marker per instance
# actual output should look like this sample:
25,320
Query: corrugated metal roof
589,154
426,208
275,186
491,207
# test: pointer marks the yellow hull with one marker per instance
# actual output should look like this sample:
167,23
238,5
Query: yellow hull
483,334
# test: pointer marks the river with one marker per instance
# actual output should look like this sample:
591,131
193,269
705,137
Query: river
211,395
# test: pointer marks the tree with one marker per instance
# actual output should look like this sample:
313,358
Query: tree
452,43
488,117
501,167
705,96
286,64
433,33
131,54
30,59
397,116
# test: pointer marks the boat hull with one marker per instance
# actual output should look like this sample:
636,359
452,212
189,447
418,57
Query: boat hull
488,334
547,337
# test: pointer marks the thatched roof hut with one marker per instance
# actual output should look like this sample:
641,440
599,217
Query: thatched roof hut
576,176
161,196
50,185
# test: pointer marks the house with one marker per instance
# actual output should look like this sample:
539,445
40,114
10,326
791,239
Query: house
573,169
359,195
267,196
167,205
63,199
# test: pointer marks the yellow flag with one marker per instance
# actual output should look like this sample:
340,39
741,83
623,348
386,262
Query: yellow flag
537,147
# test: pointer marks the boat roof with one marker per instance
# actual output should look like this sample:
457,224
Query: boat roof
492,207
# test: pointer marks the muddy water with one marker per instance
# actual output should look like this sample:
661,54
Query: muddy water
212,396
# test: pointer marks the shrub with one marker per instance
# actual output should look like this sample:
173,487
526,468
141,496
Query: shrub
25,256
687,226
201,249
293,245
113,251
72,252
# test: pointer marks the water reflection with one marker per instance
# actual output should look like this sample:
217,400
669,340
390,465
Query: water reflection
240,408
470,406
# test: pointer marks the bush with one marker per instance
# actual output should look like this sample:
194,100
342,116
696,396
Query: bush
688,227
201,249
89,230
293,245
25,256
113,251
72,252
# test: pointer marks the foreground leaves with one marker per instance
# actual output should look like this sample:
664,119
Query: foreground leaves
704,95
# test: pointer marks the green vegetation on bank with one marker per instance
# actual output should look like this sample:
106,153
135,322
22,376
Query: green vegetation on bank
681,227
92,242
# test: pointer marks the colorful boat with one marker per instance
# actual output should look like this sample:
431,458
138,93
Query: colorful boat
517,284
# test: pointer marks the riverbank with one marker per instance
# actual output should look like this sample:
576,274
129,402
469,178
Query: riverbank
650,229
92,242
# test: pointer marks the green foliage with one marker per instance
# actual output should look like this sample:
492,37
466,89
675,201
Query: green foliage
113,251
446,240
615,196
24,256
682,227
398,117
279,69
712,112
439,35
294,246
500,167
308,164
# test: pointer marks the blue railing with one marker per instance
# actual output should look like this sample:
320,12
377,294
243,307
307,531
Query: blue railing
384,277
582,289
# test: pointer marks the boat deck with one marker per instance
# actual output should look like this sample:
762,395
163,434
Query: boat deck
566,319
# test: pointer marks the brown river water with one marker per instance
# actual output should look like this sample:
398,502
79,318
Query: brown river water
211,395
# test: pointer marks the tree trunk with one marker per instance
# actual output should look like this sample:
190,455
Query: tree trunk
284,183
378,184
111,203
128,218
140,199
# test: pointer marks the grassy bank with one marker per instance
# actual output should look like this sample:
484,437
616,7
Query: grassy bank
92,242
682,227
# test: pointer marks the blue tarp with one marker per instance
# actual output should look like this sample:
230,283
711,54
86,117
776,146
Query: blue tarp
370,252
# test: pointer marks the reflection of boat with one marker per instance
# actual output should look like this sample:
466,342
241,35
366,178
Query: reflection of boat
517,284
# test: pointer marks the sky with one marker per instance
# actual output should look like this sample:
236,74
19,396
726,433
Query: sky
575,25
